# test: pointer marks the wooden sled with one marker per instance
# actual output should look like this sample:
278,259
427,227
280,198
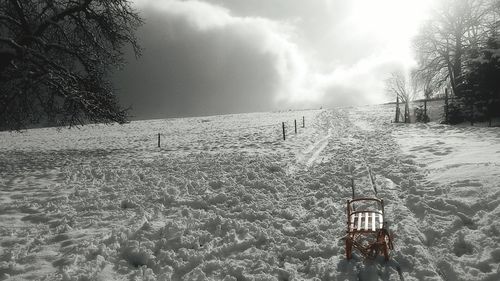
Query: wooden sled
367,229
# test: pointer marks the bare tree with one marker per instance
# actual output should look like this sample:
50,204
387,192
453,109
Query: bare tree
404,89
425,82
442,45
55,56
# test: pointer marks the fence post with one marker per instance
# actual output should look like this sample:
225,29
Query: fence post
284,137
446,105
159,139
295,122
303,122
407,112
396,120
425,111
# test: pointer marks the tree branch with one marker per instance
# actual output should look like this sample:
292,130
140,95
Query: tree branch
57,17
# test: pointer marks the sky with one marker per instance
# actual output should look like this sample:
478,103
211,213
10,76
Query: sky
232,56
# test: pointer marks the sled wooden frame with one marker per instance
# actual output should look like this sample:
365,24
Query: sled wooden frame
367,230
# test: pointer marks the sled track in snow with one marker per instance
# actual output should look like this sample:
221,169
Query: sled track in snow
311,154
316,150
380,154
348,148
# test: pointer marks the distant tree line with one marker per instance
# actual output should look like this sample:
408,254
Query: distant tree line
459,48
55,58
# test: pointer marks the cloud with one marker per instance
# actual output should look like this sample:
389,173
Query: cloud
202,58
199,60
366,80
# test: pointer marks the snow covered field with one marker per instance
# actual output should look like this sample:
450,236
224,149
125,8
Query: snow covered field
225,198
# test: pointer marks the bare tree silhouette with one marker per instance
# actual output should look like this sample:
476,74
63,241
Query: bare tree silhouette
55,56
404,89
442,45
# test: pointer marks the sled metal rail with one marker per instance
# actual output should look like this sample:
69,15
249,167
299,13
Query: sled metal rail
373,184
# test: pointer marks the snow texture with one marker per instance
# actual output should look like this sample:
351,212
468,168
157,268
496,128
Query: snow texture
225,198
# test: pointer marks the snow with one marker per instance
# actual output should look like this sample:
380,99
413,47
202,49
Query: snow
225,198
460,194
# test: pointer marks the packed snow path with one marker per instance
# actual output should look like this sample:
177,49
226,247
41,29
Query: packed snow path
353,144
226,199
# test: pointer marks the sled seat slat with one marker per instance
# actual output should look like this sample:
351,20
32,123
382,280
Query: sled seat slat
367,216
366,221
373,222
360,218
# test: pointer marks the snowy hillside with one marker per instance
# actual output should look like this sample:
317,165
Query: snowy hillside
225,198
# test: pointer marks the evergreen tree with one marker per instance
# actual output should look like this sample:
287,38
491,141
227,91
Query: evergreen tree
483,80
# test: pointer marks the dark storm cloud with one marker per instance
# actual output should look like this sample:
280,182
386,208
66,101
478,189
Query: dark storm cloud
190,68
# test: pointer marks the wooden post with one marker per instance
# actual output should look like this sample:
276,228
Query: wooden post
284,137
446,105
408,109
295,122
425,111
159,139
303,122
407,112
396,120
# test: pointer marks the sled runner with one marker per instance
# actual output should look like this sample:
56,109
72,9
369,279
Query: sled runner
366,228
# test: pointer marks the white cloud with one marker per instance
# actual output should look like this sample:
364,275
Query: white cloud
201,15
299,79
